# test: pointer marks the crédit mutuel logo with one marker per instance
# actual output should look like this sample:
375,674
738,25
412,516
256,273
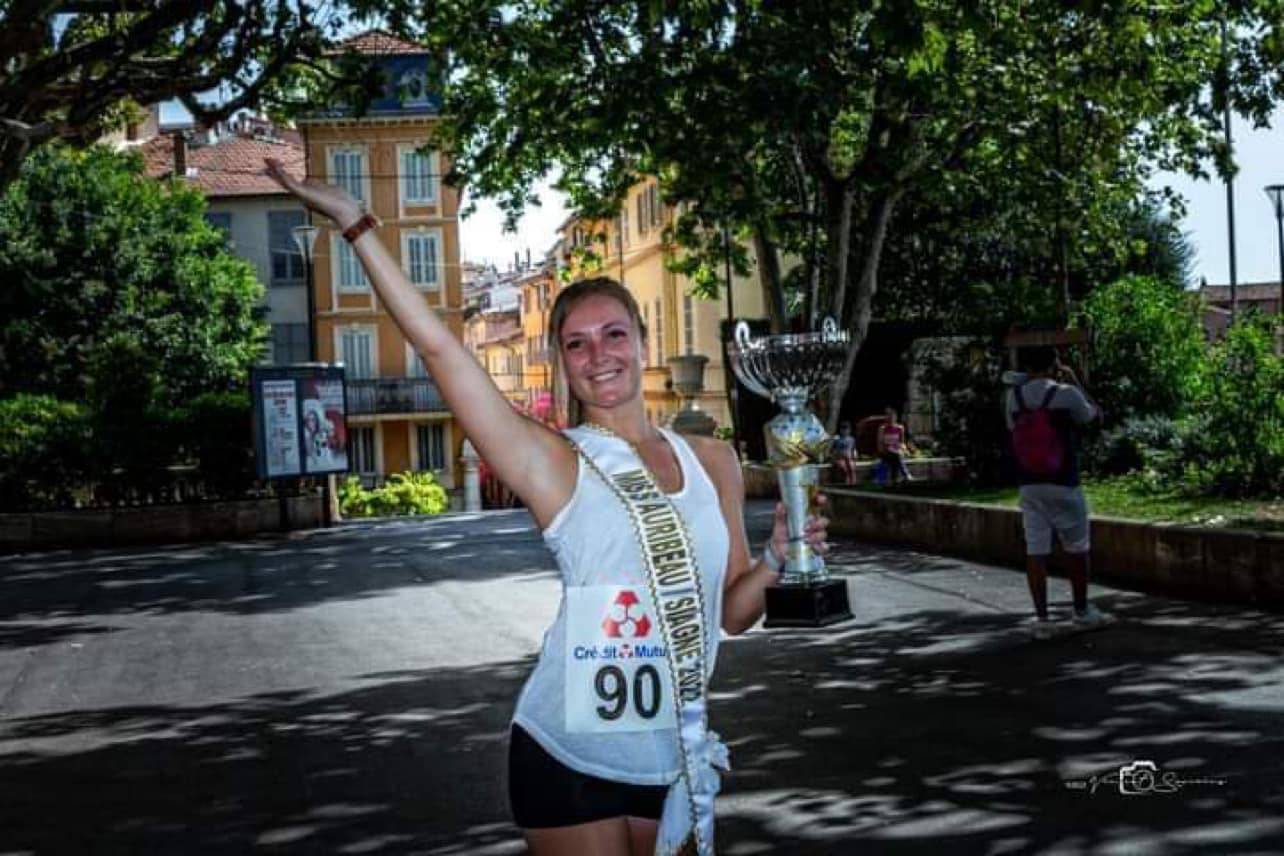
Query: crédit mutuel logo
1140,778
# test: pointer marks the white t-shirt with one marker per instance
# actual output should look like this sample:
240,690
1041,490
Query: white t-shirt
1068,398
593,540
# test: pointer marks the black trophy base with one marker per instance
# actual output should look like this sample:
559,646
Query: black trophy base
814,605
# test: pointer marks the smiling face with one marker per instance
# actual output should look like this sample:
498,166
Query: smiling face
601,350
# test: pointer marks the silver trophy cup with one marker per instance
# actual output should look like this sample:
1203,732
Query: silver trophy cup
789,369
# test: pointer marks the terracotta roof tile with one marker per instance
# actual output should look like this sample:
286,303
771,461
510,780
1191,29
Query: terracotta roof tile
377,42
231,167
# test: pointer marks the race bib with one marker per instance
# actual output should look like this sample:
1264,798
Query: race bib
617,678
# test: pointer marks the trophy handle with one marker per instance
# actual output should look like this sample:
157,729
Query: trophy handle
742,364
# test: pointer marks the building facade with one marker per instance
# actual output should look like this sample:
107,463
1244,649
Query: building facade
252,211
1261,297
539,288
631,248
494,336
397,420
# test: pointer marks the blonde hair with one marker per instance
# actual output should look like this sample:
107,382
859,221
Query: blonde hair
567,299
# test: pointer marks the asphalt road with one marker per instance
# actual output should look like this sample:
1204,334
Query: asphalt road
348,692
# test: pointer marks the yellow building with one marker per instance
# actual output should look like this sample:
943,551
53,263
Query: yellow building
494,336
539,287
396,419
631,248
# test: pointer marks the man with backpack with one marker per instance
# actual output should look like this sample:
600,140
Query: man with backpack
1044,408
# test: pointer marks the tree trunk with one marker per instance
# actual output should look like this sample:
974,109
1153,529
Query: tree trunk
840,198
855,317
773,290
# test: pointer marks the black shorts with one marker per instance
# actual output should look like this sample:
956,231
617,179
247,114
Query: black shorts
544,792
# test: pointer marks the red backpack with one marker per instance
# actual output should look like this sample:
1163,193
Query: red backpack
1037,445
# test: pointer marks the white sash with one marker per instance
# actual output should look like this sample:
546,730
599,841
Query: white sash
678,594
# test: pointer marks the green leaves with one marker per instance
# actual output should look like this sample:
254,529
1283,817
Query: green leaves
94,252
404,494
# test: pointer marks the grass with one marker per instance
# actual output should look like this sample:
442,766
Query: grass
1123,497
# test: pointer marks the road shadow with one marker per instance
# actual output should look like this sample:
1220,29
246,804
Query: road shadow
46,597
857,741
852,740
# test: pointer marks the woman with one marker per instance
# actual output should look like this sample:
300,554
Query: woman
891,447
598,755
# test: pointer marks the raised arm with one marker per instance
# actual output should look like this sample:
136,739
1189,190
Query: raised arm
534,461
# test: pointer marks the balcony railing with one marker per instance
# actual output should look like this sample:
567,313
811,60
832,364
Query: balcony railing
394,395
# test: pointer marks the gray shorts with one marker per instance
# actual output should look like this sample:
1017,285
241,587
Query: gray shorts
1046,508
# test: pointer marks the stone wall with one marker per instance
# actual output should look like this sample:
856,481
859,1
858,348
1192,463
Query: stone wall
156,524
1218,564
760,479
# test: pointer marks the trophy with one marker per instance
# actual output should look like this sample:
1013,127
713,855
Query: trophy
789,369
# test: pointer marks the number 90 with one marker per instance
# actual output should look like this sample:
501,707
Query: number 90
613,687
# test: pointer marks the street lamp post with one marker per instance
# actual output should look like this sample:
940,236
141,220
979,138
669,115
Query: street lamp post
1276,193
305,237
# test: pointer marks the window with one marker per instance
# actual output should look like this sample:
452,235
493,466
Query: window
351,276
431,442
421,257
289,343
624,227
412,88
646,321
688,324
348,170
362,451
653,202
643,220
287,261
659,335
221,220
418,184
356,345
414,364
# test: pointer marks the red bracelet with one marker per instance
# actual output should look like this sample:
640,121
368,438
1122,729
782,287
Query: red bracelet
359,228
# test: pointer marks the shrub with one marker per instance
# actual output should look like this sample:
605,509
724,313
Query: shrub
44,452
1142,443
354,500
1234,444
403,494
217,435
1148,348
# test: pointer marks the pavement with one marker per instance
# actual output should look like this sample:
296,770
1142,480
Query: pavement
349,691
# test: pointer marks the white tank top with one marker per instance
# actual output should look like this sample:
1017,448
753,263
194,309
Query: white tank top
593,541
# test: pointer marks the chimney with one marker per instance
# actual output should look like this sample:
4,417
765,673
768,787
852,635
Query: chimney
528,258
180,154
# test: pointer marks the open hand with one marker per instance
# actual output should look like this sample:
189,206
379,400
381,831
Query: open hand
333,202
816,532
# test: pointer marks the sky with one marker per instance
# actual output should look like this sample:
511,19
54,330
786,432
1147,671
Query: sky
483,238
1260,155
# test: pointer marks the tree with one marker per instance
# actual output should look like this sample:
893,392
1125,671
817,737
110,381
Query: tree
71,70
802,125
1148,350
93,252
981,263
119,294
